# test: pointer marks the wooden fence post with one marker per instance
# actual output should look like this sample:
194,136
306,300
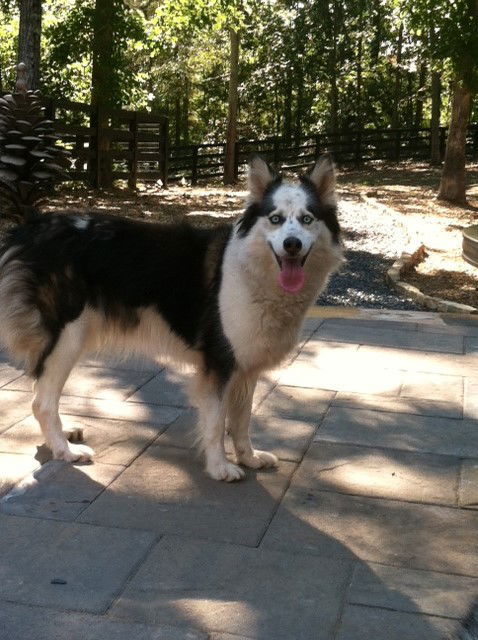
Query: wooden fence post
164,149
475,142
398,144
94,152
133,150
275,153
442,142
318,145
358,148
50,109
194,168
236,159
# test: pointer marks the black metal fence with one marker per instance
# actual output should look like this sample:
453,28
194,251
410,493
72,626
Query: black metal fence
197,162
135,146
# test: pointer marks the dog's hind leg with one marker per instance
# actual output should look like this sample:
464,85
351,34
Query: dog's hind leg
239,409
48,388
212,401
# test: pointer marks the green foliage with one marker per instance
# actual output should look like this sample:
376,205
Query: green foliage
304,66
451,30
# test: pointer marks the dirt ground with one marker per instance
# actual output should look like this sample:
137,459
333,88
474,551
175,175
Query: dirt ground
408,189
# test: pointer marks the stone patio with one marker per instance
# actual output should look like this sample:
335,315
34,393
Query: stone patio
367,530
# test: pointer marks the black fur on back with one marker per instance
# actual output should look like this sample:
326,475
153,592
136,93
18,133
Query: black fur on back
119,266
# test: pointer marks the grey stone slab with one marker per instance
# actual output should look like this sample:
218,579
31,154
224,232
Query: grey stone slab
415,406
371,357
9,373
288,439
381,473
390,532
343,374
381,335
471,344
94,562
431,386
400,431
413,591
166,388
117,361
470,402
468,490
113,441
365,623
14,406
21,622
118,410
95,382
363,323
228,636
166,490
59,491
14,467
232,589
296,403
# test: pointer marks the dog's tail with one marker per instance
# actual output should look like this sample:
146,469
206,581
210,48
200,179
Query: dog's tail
22,331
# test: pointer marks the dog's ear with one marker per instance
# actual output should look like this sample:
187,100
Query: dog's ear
323,178
259,177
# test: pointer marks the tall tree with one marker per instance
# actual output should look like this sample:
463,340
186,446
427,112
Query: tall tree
29,38
231,136
455,41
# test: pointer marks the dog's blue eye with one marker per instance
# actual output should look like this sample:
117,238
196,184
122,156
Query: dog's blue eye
275,219
307,219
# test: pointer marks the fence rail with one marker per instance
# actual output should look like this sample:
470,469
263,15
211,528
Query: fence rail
135,145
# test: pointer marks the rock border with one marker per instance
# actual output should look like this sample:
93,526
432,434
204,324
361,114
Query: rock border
408,261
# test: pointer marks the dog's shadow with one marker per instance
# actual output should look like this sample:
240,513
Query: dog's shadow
230,555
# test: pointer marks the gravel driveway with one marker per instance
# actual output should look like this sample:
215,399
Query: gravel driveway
374,237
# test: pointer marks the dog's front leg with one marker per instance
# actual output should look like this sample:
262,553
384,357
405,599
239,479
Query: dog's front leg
239,408
212,401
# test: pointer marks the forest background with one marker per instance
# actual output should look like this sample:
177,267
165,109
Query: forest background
229,69
304,67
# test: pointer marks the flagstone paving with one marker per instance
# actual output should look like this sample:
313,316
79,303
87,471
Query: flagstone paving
368,528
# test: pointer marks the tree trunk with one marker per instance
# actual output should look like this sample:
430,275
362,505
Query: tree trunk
398,75
231,136
422,76
187,86
453,184
102,88
299,103
29,37
177,121
435,155
359,121
332,68
288,108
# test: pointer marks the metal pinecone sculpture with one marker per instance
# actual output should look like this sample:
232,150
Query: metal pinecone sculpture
30,160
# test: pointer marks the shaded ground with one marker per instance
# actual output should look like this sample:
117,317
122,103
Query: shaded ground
384,210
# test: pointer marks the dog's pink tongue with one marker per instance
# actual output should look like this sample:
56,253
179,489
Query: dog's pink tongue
291,276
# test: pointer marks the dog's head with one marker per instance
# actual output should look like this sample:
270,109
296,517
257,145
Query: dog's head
291,217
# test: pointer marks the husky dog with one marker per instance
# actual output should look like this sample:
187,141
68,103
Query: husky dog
229,300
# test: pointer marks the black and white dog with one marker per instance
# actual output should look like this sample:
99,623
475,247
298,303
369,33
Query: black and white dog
229,300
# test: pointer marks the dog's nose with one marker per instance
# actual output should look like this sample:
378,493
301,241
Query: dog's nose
292,245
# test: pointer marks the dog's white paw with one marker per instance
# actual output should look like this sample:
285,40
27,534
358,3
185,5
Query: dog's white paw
225,470
74,453
258,459
74,433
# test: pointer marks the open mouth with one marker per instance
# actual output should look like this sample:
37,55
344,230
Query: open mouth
291,275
